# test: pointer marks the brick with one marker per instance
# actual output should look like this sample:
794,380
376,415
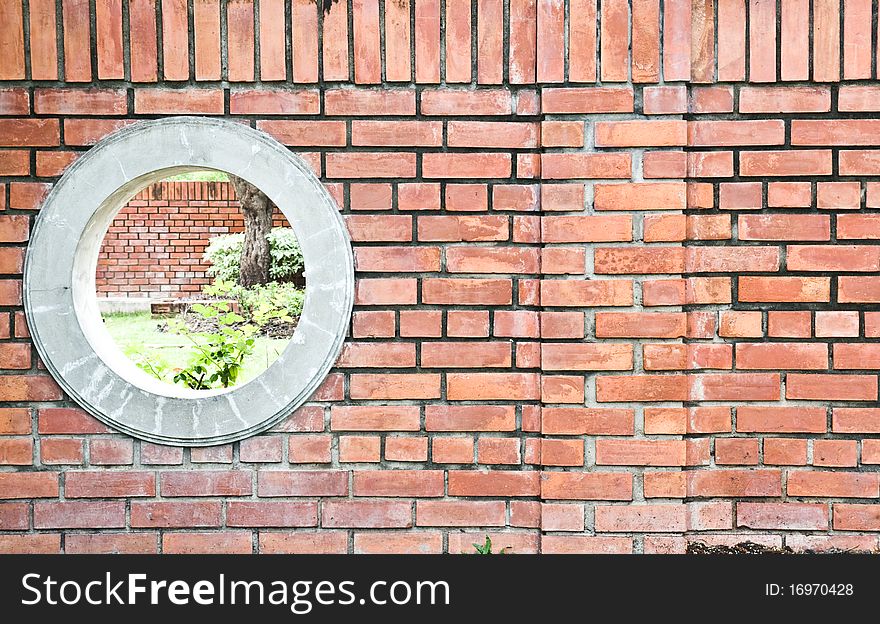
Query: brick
304,542
464,355
453,450
782,516
385,291
710,164
640,133
306,133
54,451
377,355
665,100
454,102
29,132
366,514
79,515
398,483
785,451
835,132
665,164
16,451
795,289
780,419
467,324
587,100
466,291
784,100
379,542
110,543
835,453
110,451
398,386
737,483
350,102
792,356
586,357
640,452
849,356
89,131
405,448
639,388
80,101
53,420
586,486
460,513
379,418
714,99
94,484
562,517
641,518
855,420
848,517
492,260
585,544
562,134
15,162
420,323
562,452
178,101
833,484
493,483
585,165
50,164
217,542
302,483
463,228
858,289
737,451
640,196
789,194
734,387
784,227
831,387
492,386
364,449
206,483
640,325
741,133
476,165
396,133
785,163
370,165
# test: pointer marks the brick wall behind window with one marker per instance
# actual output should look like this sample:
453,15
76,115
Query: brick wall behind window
155,246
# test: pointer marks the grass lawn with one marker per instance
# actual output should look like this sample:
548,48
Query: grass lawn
140,330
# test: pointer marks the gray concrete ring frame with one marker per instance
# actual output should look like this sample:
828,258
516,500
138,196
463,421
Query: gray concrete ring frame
62,307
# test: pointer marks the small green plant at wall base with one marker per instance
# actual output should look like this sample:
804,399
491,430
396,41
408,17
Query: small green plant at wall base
217,358
486,549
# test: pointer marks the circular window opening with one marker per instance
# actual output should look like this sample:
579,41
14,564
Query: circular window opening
68,265
200,283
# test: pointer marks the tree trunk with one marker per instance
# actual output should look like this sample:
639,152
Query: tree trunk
257,210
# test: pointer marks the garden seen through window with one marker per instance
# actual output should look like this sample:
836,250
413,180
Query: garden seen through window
200,280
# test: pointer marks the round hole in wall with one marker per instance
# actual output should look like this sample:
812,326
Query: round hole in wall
200,282
63,311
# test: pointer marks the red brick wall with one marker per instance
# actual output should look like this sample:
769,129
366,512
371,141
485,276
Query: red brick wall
154,246
610,298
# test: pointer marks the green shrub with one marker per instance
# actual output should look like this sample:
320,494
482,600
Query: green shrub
224,255
263,303
216,359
